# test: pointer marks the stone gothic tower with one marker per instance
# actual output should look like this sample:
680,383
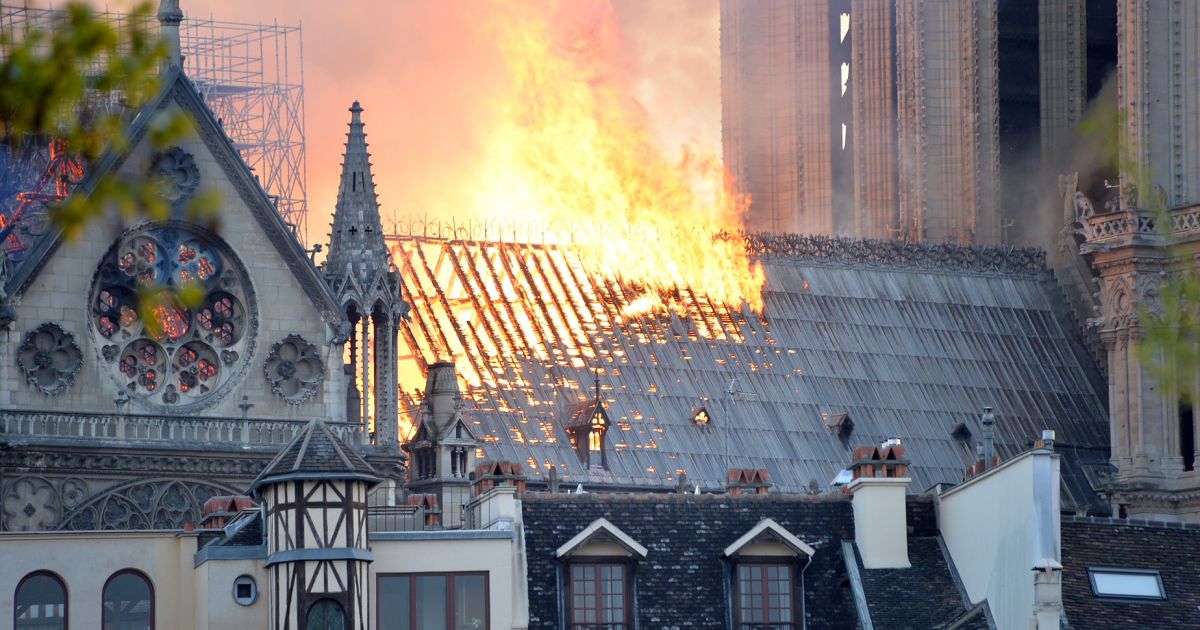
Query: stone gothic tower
1153,430
360,272
443,449
315,494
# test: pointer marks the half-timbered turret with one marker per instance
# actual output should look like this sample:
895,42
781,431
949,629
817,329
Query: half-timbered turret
315,493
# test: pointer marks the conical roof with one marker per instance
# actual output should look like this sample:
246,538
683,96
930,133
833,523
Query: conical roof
316,453
356,245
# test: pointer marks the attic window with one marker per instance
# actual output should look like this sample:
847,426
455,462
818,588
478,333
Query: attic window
596,434
700,417
1136,584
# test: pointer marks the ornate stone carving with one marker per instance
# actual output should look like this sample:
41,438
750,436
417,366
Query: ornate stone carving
177,174
30,504
167,353
153,504
933,256
49,358
294,369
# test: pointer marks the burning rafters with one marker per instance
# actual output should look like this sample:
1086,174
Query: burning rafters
494,308
54,184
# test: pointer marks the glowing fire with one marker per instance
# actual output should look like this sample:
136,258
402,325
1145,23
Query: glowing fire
571,151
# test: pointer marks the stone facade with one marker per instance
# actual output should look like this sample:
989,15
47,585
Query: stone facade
110,423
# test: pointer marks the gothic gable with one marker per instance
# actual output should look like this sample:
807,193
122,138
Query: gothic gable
263,340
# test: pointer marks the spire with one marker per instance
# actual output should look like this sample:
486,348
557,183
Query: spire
169,17
356,244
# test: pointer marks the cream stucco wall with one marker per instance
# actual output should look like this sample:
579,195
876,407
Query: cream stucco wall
60,294
998,526
458,551
86,560
185,597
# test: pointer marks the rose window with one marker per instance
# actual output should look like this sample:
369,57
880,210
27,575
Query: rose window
172,312
50,358
294,369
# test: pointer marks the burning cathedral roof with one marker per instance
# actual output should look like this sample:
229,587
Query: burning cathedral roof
859,342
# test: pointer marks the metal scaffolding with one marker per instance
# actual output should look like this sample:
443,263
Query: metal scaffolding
251,76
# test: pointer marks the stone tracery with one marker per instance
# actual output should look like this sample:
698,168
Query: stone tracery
294,369
173,313
50,358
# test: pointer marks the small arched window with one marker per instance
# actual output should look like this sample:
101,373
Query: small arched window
326,614
128,602
41,602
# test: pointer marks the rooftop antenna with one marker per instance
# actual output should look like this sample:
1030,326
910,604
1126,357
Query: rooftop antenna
597,380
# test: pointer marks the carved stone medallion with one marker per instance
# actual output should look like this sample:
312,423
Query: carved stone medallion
49,358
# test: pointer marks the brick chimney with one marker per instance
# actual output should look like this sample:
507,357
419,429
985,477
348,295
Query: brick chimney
490,474
429,503
878,487
217,511
748,481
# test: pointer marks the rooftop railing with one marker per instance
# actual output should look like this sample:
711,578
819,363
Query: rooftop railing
495,509
152,428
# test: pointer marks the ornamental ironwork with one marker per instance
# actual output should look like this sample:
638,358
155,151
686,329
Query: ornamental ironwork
294,369
174,315
893,254
49,358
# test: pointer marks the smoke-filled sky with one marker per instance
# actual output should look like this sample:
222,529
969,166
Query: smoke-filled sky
426,72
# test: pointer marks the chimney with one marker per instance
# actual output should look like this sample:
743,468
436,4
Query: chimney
490,474
748,481
429,504
878,488
989,450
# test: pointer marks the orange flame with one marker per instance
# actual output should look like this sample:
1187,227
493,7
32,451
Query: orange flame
572,152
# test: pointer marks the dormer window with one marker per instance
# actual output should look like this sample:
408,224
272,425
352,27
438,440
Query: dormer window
766,587
596,432
597,568
587,428
701,417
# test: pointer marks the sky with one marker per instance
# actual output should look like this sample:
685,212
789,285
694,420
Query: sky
425,72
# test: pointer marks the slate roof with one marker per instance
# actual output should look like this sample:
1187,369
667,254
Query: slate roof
925,595
680,583
908,340
315,453
1171,549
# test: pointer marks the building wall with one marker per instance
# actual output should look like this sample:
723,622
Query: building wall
1062,47
998,526
85,561
214,602
1159,95
454,551
873,80
775,119
947,119
61,291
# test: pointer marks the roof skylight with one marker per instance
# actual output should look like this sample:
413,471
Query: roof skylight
1126,583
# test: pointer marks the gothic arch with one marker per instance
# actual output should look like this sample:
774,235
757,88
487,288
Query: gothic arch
163,503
